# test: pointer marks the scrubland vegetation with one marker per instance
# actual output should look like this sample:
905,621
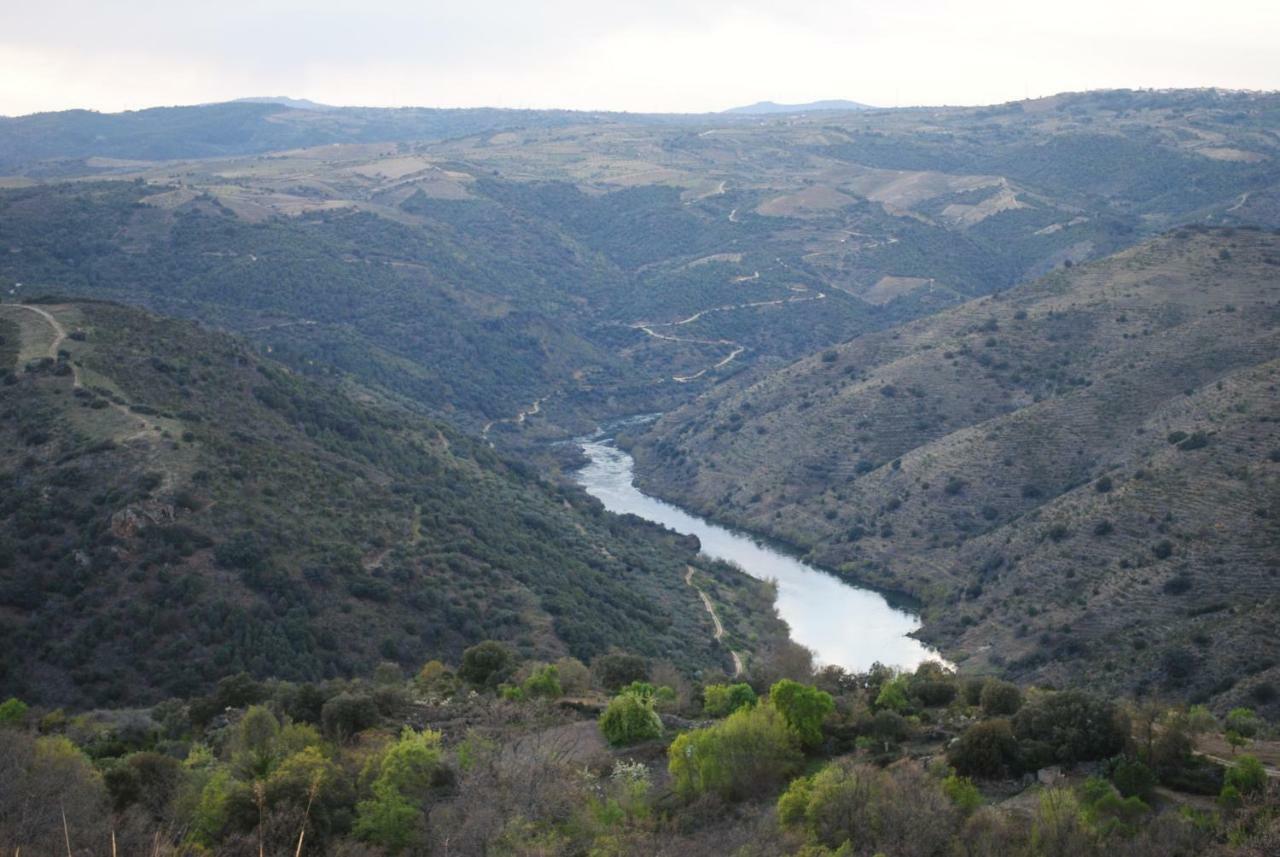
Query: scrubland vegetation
504,756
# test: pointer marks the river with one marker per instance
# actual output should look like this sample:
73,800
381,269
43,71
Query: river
843,624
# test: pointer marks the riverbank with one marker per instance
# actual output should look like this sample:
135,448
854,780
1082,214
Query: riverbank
843,624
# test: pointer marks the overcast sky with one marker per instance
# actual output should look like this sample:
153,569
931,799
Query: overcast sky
644,55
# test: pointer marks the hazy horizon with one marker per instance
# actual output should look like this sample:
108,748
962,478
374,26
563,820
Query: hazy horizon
665,57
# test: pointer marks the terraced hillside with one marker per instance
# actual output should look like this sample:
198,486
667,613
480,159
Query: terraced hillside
1080,477
174,508
615,264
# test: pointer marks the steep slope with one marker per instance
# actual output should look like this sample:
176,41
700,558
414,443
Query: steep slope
1079,476
174,508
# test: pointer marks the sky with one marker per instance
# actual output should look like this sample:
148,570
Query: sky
645,55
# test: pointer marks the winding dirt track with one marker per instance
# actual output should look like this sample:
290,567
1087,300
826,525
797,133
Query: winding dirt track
737,348
715,619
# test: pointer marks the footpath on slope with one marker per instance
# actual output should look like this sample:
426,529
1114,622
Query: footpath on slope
715,619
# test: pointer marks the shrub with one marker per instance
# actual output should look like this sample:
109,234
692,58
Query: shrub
1000,698
751,752
962,792
404,776
13,711
1132,778
1247,776
893,695
630,719
803,707
934,693
1077,726
860,809
987,749
616,670
347,714
544,682
721,700
486,664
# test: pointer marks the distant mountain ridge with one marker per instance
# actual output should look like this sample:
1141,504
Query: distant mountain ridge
286,101
765,107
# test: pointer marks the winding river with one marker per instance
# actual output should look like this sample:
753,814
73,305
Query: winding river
843,624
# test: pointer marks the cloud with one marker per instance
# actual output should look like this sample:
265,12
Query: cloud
660,55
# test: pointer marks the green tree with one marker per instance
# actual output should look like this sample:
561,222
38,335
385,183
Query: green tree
12,711
630,719
1240,727
403,778
543,682
1074,725
486,664
617,669
347,714
803,707
986,749
893,695
721,700
751,752
1000,698
253,749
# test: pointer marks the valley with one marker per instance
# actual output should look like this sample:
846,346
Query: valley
814,479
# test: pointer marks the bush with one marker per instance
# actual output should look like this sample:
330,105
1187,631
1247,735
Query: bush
860,809
630,719
1132,778
1077,726
1247,776
617,670
347,714
544,682
934,693
721,700
987,749
1000,698
486,664
751,752
962,792
13,711
803,707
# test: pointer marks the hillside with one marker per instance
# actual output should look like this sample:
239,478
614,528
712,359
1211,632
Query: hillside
1043,467
174,508
603,264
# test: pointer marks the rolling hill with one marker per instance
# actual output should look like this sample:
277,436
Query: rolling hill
600,264
175,508
1079,476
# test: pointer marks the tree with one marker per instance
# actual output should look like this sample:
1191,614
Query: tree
804,708
617,669
347,714
12,711
751,752
1058,828
987,749
1076,726
486,664
543,682
1241,725
404,776
721,700
1133,779
630,719
893,695
254,743
1000,698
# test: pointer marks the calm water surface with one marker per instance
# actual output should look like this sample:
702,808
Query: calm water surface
843,624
